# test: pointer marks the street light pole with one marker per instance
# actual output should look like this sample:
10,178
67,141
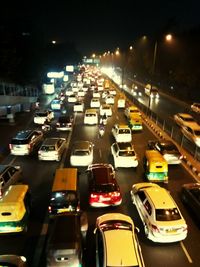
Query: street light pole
152,71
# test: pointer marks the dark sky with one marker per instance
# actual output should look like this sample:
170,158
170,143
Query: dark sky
102,25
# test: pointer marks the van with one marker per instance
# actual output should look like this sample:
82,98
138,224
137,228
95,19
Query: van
156,167
14,209
91,117
66,238
65,194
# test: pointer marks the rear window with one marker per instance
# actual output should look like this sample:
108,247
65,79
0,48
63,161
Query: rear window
41,114
19,141
167,214
105,188
127,153
112,225
124,131
90,115
62,198
81,152
48,148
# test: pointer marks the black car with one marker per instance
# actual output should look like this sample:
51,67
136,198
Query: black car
64,123
66,237
190,195
168,149
9,175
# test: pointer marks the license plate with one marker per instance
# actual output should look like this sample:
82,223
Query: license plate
62,210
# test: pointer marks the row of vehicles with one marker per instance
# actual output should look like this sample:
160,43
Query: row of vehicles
115,234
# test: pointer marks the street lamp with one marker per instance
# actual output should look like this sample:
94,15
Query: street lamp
168,38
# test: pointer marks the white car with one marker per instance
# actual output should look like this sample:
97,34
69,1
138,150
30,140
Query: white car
43,115
105,109
72,98
52,149
121,103
183,119
81,93
192,132
96,94
117,242
121,133
161,217
69,92
110,100
82,153
112,91
78,106
124,155
95,103
196,107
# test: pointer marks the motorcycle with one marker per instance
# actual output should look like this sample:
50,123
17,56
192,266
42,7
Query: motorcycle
103,120
101,130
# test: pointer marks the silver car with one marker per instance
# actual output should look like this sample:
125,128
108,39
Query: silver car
52,149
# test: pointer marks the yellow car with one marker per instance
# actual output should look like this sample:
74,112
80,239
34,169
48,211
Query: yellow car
135,122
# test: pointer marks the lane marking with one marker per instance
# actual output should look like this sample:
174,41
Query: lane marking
186,252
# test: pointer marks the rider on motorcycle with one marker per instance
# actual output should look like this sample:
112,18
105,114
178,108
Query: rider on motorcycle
101,129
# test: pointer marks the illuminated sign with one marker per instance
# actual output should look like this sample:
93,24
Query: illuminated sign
55,74
70,68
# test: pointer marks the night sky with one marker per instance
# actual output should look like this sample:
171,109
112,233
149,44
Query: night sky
98,26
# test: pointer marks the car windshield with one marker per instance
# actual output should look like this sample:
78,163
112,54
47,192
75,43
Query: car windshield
113,224
167,214
126,153
41,114
105,188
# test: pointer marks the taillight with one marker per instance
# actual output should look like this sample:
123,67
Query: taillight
10,146
155,228
181,157
30,146
49,209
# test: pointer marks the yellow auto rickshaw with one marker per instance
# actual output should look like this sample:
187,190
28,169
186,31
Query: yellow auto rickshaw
156,167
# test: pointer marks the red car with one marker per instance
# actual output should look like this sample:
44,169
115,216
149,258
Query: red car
103,188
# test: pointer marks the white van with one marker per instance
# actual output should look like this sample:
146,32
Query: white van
91,117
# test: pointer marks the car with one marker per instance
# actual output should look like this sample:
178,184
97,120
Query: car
9,174
183,119
192,132
96,94
109,100
168,149
131,110
104,190
112,91
161,217
12,261
72,98
25,142
65,241
52,149
69,92
43,115
81,153
64,123
95,103
81,93
195,107
91,116
117,242
190,195
105,109
124,155
121,133
78,106
56,104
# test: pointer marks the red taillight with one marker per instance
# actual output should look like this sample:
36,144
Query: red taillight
181,157
10,146
155,228
30,146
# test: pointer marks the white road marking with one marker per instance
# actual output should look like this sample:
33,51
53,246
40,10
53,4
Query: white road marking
186,253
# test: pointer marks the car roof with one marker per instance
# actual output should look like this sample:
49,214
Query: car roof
194,126
82,145
120,248
50,141
160,197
